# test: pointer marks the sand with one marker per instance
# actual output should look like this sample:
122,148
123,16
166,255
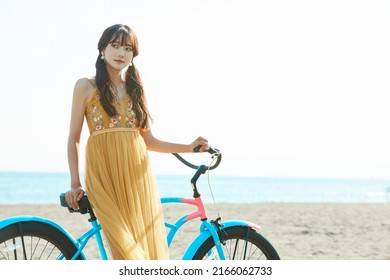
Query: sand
298,231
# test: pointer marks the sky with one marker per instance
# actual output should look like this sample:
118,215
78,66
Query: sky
283,88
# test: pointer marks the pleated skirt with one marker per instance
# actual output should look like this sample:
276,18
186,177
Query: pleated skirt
123,193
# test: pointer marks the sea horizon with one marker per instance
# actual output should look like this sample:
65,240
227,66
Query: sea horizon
219,175
44,187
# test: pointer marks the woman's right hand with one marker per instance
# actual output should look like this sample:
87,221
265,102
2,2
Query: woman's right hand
200,145
73,196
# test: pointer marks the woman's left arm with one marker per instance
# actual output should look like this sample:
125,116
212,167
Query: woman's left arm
156,145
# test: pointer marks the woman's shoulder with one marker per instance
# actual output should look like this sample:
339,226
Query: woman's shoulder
86,83
85,88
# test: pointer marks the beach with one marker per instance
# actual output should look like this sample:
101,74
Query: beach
298,231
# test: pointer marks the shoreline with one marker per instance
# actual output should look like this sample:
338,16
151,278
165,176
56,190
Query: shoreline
298,231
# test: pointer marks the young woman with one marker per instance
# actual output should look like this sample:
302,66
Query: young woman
118,179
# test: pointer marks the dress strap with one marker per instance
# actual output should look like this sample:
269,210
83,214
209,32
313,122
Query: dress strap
92,82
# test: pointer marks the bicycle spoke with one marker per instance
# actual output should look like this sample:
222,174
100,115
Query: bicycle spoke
2,256
43,251
15,251
35,248
252,251
51,252
235,250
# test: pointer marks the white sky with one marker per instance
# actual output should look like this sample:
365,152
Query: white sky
283,88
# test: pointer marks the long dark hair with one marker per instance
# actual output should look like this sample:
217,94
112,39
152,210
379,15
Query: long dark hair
134,87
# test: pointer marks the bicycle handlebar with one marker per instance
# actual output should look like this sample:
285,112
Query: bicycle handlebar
214,153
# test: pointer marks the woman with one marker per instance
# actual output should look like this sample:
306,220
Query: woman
119,181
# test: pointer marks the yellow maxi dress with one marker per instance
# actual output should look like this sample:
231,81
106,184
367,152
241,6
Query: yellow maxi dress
121,186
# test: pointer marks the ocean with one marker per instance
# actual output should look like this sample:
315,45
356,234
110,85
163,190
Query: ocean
44,188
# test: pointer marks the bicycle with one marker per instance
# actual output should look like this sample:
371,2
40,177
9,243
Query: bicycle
37,238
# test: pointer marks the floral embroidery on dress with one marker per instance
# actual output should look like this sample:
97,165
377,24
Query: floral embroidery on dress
131,119
115,121
99,120
96,117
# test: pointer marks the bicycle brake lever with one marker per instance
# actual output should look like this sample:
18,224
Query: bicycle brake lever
214,152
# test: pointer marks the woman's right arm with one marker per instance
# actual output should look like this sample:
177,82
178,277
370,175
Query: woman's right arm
80,95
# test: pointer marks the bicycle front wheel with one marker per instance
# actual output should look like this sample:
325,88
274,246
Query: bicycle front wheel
241,243
35,241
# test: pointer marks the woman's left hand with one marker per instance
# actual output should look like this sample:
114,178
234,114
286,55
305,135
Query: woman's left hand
200,144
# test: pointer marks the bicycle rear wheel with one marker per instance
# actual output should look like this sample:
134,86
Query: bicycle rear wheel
241,243
34,241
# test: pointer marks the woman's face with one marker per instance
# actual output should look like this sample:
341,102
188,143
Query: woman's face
119,56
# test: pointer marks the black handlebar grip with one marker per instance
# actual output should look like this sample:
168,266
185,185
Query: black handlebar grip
197,149
209,150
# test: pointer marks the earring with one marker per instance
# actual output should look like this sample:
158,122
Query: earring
131,63
102,57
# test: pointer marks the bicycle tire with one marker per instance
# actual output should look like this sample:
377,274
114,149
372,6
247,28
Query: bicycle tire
242,243
33,240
